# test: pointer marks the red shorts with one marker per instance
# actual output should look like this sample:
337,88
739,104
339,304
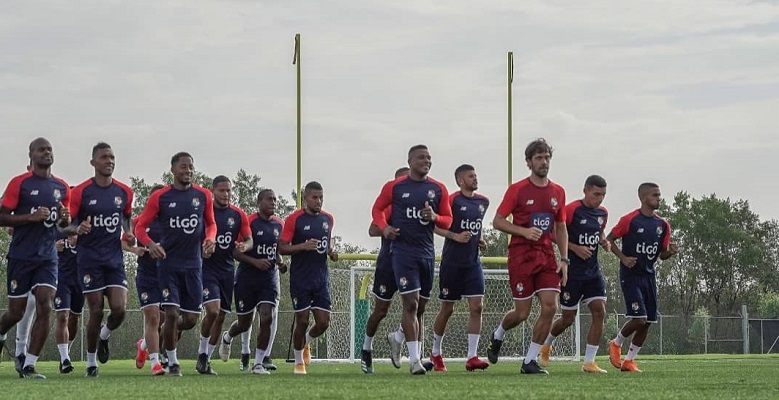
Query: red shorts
531,270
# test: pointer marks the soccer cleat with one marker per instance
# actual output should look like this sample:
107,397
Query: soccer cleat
300,369
532,368
615,354
92,372
268,364
203,365
140,355
438,363
475,363
428,365
102,350
258,369
157,369
493,349
629,366
29,372
66,367
19,364
164,361
244,364
417,368
593,368
224,348
307,354
543,359
395,348
366,361
174,370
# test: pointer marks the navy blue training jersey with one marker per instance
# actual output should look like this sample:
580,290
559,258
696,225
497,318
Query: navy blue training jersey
467,215
643,237
585,228
301,226
106,207
231,225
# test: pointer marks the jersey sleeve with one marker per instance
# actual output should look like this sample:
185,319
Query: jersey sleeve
509,202
444,219
288,232
561,211
128,208
208,217
570,209
605,218
11,196
75,204
666,235
246,228
148,215
382,202
622,228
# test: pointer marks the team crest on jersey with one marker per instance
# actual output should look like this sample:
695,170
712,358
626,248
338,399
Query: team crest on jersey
294,302
276,232
659,231
144,296
635,306
600,220
195,202
87,279
519,287
13,285
124,282
240,304
57,301
382,289
231,222
431,194
165,293
553,202
566,296
403,281
57,195
445,292
481,208
118,201
205,292
325,226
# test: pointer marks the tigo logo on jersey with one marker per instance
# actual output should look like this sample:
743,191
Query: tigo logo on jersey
589,240
118,202
403,282
110,223
415,213
542,221
187,224
322,247
649,250
473,226
267,250
224,241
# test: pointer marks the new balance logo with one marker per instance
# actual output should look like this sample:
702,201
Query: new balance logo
92,202
584,222
640,230
405,195
260,233
530,202
172,205
463,208
34,192
307,228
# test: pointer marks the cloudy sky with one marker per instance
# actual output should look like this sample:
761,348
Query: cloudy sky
684,93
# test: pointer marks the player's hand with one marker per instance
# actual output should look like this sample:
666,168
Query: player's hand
391,233
209,246
41,214
64,213
281,266
310,244
85,226
60,245
582,252
482,244
462,237
562,269
532,233
427,213
606,244
138,251
673,249
629,262
333,255
262,264
241,247
156,251
129,238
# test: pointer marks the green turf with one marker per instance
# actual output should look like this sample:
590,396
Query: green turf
684,377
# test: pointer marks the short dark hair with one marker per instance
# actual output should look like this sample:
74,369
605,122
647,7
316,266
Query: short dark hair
461,169
36,141
646,185
176,157
595,180
156,188
263,192
415,148
537,146
219,179
401,171
313,185
99,146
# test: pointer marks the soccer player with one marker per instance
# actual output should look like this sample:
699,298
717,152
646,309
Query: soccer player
102,209
257,281
150,297
232,232
461,271
267,361
35,204
418,204
586,219
645,236
68,300
538,208
185,213
384,288
307,237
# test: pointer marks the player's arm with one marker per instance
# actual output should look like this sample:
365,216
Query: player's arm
443,218
462,237
149,214
288,233
668,249
374,231
63,219
244,257
617,233
9,204
379,216
245,235
506,207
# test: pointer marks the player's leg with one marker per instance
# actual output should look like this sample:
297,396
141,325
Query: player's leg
473,333
62,334
648,288
570,297
439,329
379,312
23,330
548,301
267,361
211,304
266,311
320,308
521,286
16,307
299,337
598,311
636,314
246,339
94,300
44,295
19,288
150,344
116,294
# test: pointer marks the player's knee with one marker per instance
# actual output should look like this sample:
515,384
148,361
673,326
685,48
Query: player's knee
118,313
568,319
188,321
475,309
62,318
266,319
380,312
598,314
521,315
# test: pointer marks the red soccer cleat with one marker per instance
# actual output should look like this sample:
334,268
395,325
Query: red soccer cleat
438,363
475,363
140,355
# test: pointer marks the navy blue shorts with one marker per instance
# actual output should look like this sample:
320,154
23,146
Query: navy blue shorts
182,288
218,286
582,290
97,277
255,287
148,289
458,281
640,293
26,275
413,274
310,293
68,296
384,285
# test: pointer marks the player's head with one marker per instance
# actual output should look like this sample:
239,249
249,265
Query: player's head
538,155
182,166
155,188
313,196
649,194
402,171
41,153
465,176
594,191
103,159
419,160
266,202
222,189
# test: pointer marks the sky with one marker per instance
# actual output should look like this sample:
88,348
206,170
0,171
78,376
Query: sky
685,94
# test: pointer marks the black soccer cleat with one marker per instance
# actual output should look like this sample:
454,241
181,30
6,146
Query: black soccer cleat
493,349
66,367
268,364
19,364
244,366
29,372
532,368
174,370
366,361
203,365
102,351
92,372
428,365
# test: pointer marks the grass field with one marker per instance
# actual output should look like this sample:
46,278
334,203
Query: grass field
713,376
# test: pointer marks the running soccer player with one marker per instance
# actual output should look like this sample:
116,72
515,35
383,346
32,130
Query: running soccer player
68,300
232,232
416,201
307,237
102,209
461,272
538,208
185,213
35,204
645,236
586,219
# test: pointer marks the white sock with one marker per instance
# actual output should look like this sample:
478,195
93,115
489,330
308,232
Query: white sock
210,350
143,345
549,339
226,338
632,352
309,338
172,358
589,354
500,332
105,333
246,338
63,349
298,357
400,335
23,327
367,344
413,351
473,345
91,360
437,340
203,347
30,360
532,352
259,354
154,358
619,339
246,347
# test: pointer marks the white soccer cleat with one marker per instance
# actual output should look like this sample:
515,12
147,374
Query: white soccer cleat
395,348
224,348
417,368
258,369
